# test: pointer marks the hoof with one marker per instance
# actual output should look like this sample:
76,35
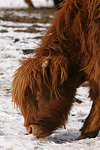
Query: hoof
80,137
88,135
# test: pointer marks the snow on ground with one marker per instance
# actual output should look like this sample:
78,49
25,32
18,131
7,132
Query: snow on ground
43,3
22,4
12,132
12,4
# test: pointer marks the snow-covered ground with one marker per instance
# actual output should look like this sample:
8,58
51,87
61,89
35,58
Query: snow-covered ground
22,4
14,38
13,4
43,3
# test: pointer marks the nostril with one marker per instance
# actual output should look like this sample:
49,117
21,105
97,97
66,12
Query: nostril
30,130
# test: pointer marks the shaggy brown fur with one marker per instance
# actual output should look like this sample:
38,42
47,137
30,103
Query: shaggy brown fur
69,54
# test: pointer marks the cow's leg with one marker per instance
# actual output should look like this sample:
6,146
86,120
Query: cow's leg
91,126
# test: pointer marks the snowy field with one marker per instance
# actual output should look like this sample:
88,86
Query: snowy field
20,32
22,4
